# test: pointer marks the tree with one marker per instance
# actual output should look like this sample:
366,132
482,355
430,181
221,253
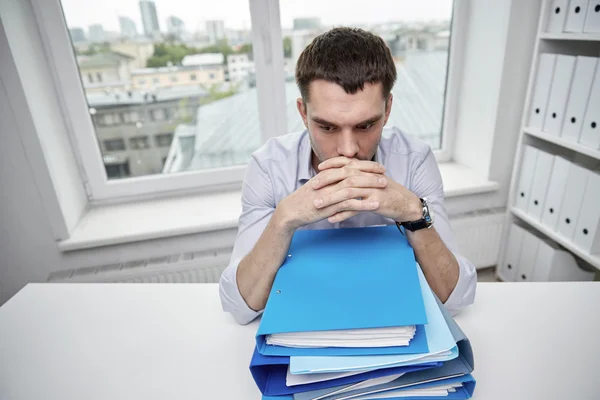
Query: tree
287,47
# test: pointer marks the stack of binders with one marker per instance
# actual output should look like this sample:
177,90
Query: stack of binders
351,316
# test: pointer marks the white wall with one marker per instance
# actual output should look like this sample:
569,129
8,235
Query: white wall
499,51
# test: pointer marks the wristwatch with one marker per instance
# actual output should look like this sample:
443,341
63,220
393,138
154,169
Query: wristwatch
425,222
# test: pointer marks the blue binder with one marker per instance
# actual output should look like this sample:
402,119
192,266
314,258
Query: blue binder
356,278
269,373
463,365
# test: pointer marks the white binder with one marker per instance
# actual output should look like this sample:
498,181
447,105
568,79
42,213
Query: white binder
576,16
513,252
569,209
592,18
539,186
526,179
541,90
528,257
556,191
559,92
556,265
583,77
587,231
590,131
557,14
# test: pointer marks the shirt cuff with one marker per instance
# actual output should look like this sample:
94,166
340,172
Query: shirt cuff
464,291
231,299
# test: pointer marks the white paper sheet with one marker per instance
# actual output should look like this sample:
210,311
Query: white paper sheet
373,337
440,391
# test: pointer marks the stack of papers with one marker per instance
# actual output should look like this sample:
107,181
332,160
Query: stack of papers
374,337
351,316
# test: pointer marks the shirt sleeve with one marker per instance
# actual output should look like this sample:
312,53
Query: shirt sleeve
258,205
427,182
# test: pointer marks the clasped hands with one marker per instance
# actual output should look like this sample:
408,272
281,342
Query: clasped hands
345,187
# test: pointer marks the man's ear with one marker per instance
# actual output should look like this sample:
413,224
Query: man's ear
302,110
388,107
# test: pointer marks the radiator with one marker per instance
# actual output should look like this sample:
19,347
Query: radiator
477,235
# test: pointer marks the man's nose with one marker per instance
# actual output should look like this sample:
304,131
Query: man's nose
347,145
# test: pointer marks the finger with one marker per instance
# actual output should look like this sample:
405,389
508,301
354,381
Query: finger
363,165
340,195
335,175
335,162
342,216
351,205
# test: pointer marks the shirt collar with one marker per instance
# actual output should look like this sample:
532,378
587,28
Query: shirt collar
305,169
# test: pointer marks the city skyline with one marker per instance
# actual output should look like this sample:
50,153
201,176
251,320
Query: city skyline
236,14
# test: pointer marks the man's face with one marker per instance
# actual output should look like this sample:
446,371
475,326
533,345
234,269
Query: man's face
342,124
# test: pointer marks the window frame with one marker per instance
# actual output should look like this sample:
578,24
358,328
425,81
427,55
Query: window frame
269,67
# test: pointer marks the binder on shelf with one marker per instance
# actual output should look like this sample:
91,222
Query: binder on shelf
583,77
556,265
587,231
590,131
513,252
576,16
556,191
556,16
541,90
559,92
539,187
571,204
530,155
592,18
527,257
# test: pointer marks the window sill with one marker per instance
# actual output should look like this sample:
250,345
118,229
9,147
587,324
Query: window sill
155,219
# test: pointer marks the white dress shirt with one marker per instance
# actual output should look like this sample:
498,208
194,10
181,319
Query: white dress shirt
283,164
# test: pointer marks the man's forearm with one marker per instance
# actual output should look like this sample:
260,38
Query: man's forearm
256,271
437,262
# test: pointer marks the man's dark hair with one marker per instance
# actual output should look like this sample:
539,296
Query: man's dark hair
349,57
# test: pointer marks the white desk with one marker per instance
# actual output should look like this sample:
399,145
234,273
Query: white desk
135,341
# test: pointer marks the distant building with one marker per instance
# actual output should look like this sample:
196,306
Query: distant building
215,30
239,67
96,33
307,23
175,26
175,76
128,27
106,69
77,35
149,18
141,50
135,128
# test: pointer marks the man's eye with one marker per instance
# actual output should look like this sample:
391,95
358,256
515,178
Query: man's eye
325,128
365,127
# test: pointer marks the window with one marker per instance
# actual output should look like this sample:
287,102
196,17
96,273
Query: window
410,29
114,145
139,143
207,146
163,107
163,140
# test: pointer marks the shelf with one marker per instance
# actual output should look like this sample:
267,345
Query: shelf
592,259
588,151
593,37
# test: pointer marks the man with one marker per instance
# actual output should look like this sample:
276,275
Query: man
342,172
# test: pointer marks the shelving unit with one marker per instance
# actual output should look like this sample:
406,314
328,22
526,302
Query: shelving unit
563,143
584,44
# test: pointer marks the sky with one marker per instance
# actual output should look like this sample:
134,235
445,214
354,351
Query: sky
236,13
